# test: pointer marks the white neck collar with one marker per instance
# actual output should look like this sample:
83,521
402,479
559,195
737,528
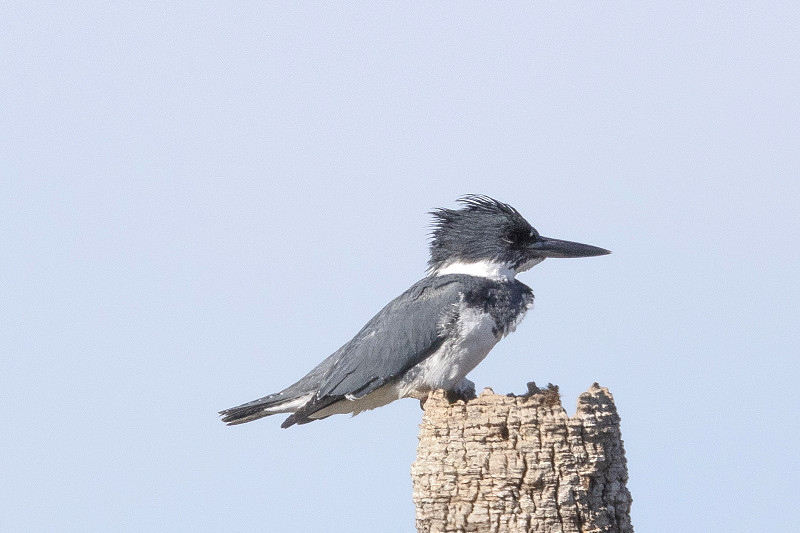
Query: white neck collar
481,269
486,269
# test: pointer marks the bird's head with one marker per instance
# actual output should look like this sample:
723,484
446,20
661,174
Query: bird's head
491,239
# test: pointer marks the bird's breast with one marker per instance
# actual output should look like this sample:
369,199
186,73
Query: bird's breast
469,338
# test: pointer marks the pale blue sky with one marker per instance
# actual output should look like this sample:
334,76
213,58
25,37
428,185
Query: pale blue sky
200,202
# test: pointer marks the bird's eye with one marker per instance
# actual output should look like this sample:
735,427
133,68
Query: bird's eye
514,236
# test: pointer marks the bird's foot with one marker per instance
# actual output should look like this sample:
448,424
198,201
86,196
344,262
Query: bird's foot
464,390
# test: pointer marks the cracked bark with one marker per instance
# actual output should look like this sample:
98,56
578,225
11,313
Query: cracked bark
519,463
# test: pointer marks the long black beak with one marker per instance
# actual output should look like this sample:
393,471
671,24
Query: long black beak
557,248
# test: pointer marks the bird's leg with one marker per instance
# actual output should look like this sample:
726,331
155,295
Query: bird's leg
464,390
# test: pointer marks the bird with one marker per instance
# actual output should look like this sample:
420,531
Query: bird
436,332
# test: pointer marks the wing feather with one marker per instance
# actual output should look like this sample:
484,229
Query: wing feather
405,332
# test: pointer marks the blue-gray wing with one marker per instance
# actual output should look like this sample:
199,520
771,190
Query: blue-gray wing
405,332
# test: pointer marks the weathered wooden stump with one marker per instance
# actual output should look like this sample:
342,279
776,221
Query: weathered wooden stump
519,463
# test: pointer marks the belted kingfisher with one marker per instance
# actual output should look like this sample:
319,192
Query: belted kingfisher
431,336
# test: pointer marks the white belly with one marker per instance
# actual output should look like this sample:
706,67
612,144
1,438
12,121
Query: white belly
451,363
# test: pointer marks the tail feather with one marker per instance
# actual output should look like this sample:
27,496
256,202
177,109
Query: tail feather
242,414
268,405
